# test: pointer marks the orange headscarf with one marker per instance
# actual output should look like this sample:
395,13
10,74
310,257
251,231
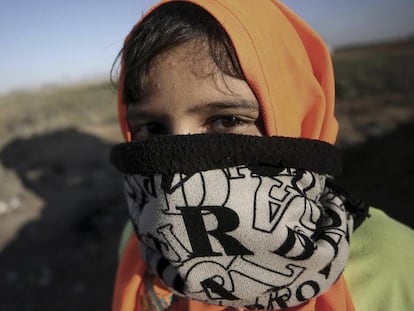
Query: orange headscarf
289,69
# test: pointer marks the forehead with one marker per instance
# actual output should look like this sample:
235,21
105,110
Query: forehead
188,72
192,57
186,77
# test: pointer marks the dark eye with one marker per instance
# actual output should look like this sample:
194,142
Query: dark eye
147,130
154,128
226,122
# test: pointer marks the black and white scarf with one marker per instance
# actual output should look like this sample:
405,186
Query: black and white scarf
238,220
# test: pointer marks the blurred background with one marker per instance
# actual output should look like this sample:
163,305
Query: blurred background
61,203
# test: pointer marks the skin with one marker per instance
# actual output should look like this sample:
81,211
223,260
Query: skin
188,94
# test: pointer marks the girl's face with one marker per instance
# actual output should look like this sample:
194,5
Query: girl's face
188,94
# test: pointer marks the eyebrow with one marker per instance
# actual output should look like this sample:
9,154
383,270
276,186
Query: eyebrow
223,105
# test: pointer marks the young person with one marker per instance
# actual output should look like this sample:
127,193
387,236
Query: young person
228,112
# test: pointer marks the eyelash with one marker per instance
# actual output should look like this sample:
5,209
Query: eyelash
236,121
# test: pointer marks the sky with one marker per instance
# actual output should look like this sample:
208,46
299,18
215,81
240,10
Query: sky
44,42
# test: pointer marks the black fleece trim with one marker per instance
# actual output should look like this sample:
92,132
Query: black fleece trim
188,154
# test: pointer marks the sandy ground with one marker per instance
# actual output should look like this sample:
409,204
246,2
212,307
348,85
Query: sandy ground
62,208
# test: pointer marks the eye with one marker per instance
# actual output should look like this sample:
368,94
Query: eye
147,130
228,123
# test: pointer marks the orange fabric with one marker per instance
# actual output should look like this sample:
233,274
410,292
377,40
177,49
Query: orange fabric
129,283
289,69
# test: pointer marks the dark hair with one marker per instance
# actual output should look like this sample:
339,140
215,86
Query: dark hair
168,26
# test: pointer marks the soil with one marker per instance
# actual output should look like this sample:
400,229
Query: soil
60,237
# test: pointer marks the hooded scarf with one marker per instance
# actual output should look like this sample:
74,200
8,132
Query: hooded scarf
288,68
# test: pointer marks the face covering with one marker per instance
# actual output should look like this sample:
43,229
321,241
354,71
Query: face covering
240,221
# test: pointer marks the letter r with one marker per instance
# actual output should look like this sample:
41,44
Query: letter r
227,221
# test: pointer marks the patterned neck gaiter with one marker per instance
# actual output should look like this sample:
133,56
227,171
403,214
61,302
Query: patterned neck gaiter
241,221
